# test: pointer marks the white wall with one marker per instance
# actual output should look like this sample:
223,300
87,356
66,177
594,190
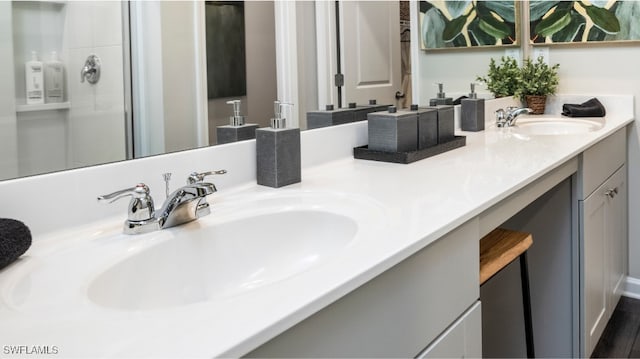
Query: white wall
96,127
456,69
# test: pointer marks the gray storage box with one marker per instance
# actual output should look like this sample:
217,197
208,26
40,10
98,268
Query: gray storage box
427,126
228,134
360,112
393,131
445,123
329,117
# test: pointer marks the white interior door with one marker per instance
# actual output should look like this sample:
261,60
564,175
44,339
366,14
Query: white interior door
370,51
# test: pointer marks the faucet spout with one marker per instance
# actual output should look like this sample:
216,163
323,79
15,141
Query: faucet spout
186,204
513,114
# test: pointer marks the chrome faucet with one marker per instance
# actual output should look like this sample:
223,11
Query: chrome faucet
508,118
183,205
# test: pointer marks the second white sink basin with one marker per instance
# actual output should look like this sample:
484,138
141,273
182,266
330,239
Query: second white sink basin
531,125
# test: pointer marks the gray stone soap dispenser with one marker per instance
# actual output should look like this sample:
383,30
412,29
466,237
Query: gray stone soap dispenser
278,152
237,130
472,112
441,97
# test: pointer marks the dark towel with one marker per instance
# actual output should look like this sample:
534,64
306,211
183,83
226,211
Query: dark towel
15,239
591,108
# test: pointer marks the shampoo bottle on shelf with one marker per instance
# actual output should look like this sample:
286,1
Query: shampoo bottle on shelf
34,80
54,79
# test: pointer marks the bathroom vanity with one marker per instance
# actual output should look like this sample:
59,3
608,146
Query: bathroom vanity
361,258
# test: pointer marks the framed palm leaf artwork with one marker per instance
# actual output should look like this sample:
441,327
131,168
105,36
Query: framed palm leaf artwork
468,23
584,21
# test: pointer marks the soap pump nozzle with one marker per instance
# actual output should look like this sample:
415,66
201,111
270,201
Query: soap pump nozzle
473,94
236,119
440,90
278,121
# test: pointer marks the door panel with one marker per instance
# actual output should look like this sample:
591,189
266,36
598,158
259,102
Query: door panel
370,39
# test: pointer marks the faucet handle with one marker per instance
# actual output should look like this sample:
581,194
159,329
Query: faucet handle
141,206
195,177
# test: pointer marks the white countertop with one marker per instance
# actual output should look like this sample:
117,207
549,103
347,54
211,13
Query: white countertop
410,206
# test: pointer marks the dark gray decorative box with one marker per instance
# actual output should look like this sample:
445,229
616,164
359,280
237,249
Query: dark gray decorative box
393,131
278,156
329,117
228,133
445,123
427,126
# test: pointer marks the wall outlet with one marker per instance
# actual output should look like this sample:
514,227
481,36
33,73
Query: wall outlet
541,51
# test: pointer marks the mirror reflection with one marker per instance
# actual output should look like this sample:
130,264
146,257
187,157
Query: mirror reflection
131,75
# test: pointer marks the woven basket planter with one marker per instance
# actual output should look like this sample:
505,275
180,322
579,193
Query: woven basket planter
536,103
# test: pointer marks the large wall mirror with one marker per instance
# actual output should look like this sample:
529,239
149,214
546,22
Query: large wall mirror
151,96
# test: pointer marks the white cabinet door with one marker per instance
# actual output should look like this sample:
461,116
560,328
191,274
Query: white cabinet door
616,222
370,39
594,214
604,237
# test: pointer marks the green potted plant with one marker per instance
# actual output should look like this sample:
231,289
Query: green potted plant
536,81
502,80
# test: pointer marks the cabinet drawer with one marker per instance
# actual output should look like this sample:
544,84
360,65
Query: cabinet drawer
601,160
397,313
463,339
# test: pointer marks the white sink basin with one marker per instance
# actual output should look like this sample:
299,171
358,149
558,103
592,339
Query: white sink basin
223,260
545,126
250,242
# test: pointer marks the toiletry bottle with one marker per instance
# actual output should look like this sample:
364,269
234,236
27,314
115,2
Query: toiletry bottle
34,80
278,152
237,130
441,98
54,80
472,112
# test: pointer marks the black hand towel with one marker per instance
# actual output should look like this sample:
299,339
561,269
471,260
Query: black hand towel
15,239
591,108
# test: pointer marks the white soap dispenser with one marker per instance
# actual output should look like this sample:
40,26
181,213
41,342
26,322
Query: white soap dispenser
278,152
54,79
34,80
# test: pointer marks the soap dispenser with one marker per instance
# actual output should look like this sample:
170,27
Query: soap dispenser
472,112
278,152
441,98
237,130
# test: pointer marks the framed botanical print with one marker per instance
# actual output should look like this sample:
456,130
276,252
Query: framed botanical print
452,24
556,22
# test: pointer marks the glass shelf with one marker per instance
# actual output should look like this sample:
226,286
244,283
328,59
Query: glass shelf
44,107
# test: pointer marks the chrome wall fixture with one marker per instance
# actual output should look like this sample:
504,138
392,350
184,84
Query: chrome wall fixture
91,70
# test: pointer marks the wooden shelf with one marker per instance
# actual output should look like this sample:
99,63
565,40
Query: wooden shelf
44,107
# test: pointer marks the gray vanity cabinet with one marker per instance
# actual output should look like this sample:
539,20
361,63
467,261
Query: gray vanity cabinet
603,234
426,298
